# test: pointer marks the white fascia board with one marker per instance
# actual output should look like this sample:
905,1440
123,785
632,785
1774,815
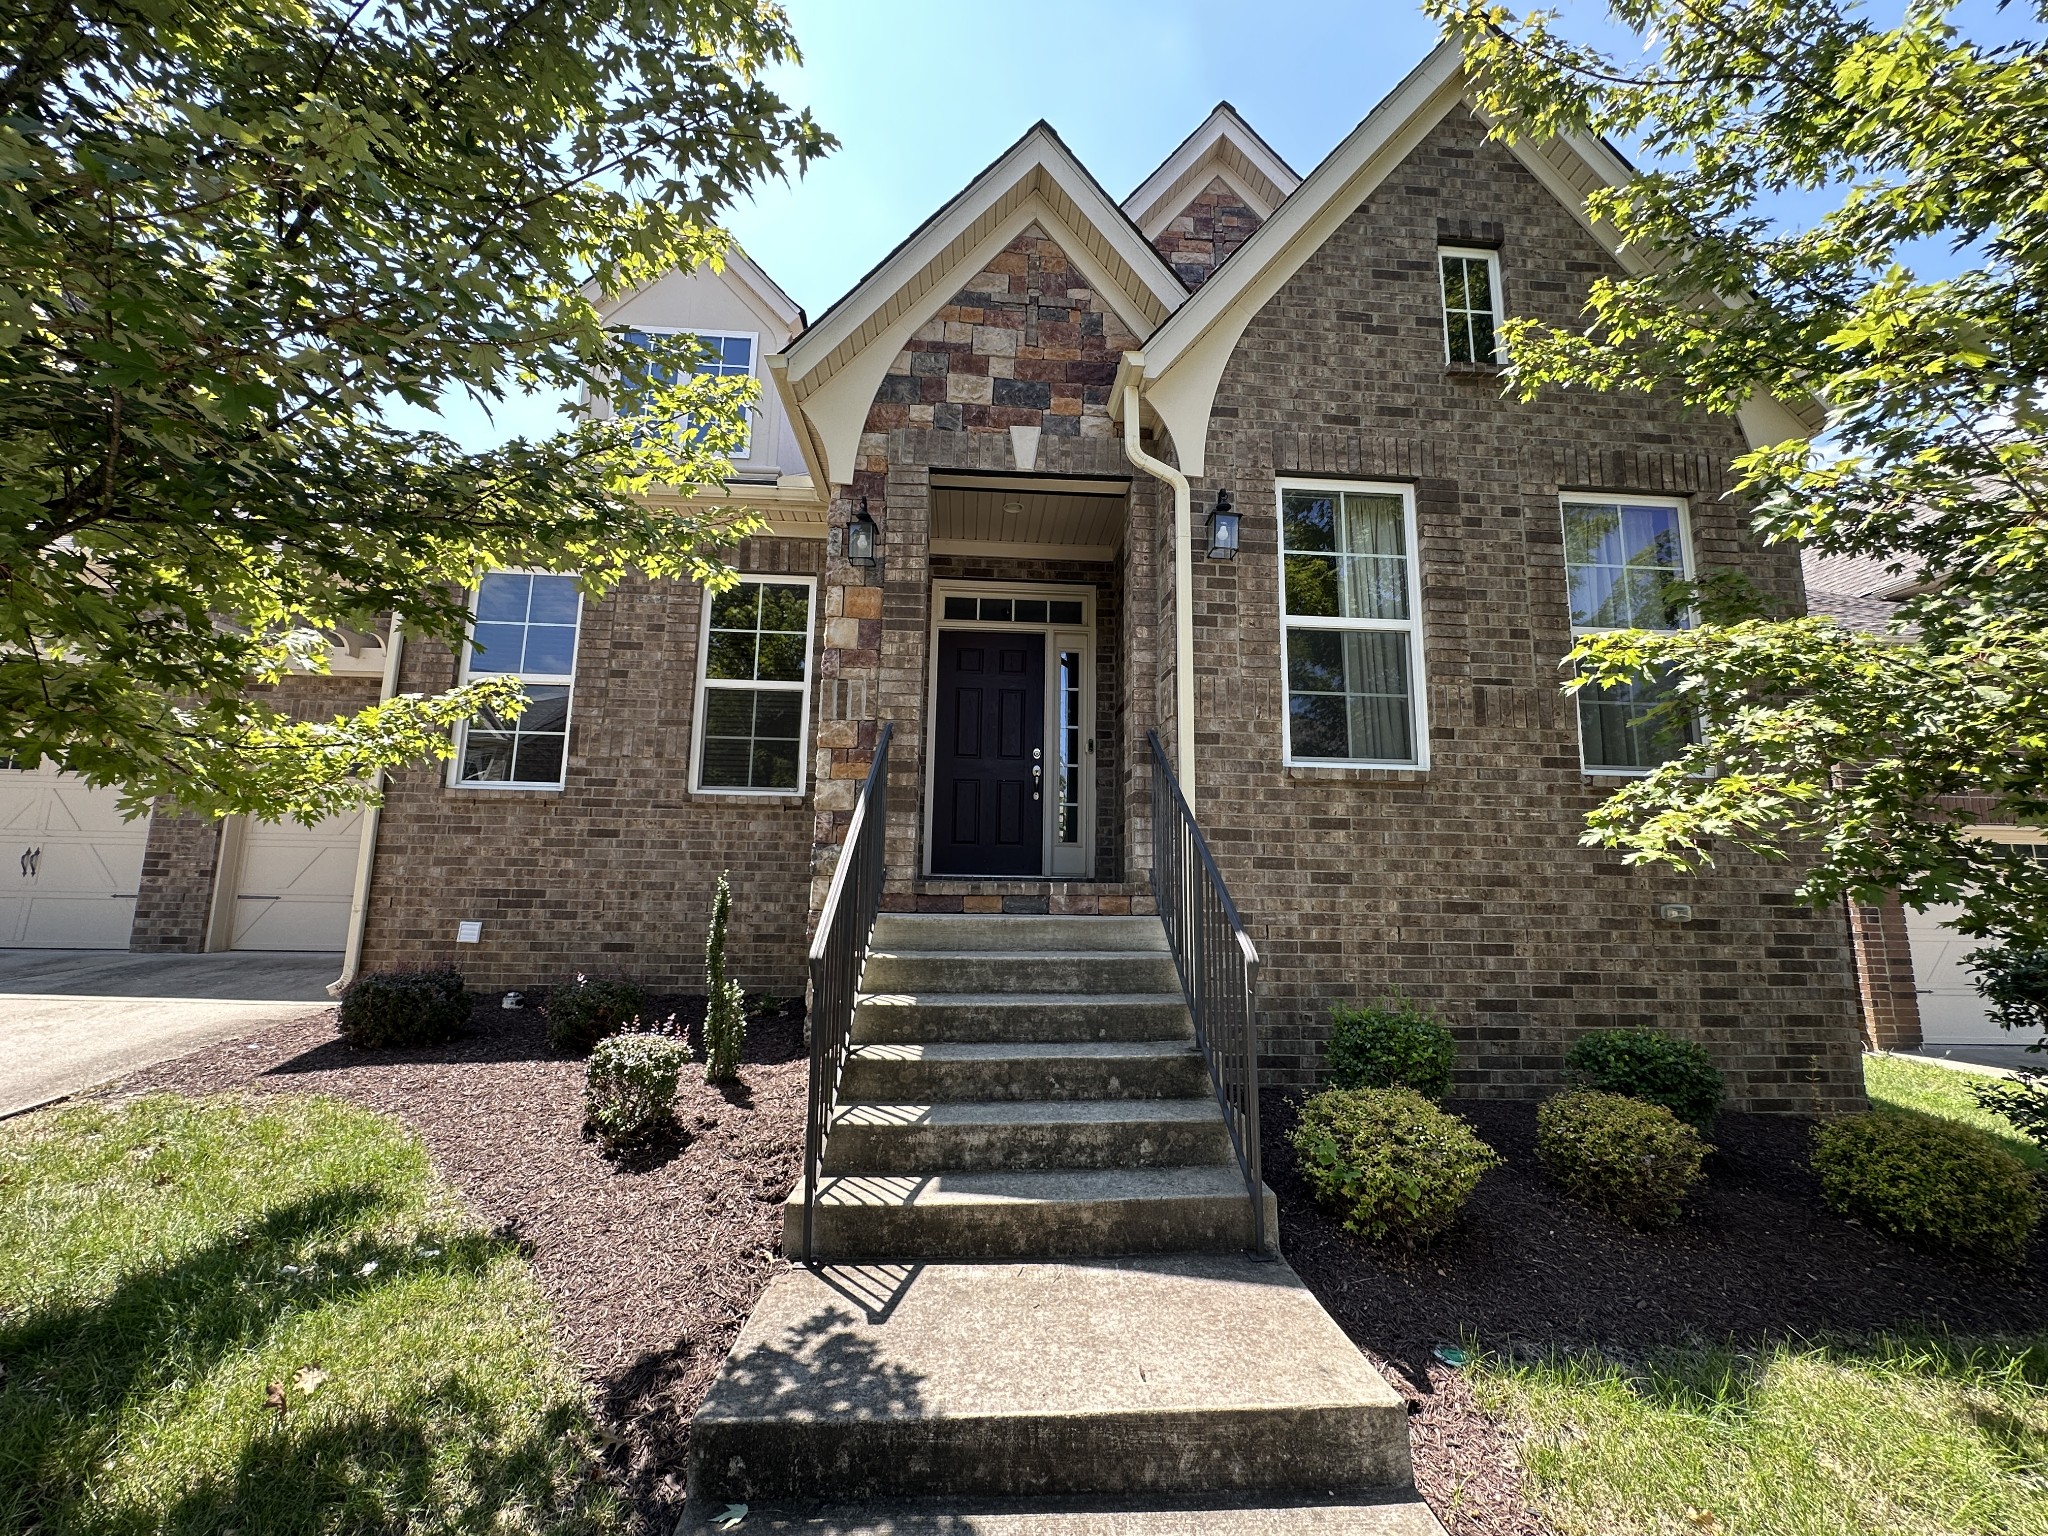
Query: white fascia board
754,276
1037,153
1222,126
836,409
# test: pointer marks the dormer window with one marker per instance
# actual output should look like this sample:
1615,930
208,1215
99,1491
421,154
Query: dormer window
1471,305
725,355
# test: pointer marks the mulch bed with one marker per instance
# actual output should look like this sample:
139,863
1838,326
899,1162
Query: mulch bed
1757,1257
651,1263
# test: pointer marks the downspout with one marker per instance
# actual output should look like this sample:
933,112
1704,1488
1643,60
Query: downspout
1183,593
366,845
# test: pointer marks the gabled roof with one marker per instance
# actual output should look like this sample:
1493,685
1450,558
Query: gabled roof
829,374
1183,361
1223,146
736,268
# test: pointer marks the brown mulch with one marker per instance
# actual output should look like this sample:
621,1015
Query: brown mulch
651,1262
1756,1258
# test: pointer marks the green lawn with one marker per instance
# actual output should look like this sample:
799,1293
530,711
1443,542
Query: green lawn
1918,1087
165,1260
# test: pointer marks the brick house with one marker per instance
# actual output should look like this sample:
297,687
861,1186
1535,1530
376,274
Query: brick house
1362,705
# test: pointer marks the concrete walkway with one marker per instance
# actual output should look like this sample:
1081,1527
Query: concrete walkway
73,1019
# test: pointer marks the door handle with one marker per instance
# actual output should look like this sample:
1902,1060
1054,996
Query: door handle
31,858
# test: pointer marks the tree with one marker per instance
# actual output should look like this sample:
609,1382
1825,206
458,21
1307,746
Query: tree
239,241
1841,748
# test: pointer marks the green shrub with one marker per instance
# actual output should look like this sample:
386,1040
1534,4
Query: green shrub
1398,1168
404,1008
585,1012
725,1005
630,1090
1627,1158
1392,1044
1931,1182
1658,1069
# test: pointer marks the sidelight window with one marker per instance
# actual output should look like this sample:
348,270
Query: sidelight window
753,691
1351,608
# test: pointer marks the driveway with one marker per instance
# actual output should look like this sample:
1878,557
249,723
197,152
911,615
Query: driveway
71,1019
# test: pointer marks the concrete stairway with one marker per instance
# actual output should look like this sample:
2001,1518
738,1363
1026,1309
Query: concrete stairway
1028,1090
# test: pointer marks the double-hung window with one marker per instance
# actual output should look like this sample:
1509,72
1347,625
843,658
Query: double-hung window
1621,557
524,627
1471,305
753,688
1350,602
721,355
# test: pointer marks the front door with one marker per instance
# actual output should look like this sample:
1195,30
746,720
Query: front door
988,762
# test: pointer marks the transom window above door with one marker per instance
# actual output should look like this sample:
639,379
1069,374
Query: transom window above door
1014,610
753,690
1352,634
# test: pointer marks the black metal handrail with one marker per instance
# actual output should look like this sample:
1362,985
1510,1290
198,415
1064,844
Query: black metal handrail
1218,966
838,953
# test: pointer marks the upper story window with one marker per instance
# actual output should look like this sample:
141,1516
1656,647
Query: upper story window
753,687
1621,557
725,354
1471,305
525,627
1350,602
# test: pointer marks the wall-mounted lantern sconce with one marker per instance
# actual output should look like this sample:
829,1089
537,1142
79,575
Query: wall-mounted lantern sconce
1223,528
860,537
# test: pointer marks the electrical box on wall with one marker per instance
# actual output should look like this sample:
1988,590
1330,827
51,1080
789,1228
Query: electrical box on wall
1676,911
469,932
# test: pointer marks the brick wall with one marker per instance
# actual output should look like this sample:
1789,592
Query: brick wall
1884,972
611,875
1464,886
181,861
1206,233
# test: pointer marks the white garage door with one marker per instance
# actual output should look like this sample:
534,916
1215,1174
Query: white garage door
296,883
70,867
1951,1010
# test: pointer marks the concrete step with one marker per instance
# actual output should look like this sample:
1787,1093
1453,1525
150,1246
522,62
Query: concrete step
1051,1213
979,1018
948,931
1177,1376
1019,970
952,1072
1038,1133
1401,1514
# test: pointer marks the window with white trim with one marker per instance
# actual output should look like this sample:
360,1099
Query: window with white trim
1350,603
1471,288
753,687
723,355
524,625
1621,557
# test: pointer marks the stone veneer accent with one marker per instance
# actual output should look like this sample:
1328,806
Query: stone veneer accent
611,875
181,861
1464,886
1207,233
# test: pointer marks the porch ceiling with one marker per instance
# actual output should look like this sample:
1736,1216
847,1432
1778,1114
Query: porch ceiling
1017,518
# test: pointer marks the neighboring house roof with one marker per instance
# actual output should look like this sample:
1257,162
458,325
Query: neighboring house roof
1224,147
1182,363
830,373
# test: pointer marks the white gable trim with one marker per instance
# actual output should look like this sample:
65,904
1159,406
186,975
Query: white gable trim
1224,145
830,373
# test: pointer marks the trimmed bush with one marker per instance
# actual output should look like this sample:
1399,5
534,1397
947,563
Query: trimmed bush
585,1012
404,1008
1658,1069
725,1006
1929,1182
1398,1168
630,1090
1626,1158
1392,1044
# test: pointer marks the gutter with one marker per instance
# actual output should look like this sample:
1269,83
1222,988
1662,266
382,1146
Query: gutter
366,846
1183,576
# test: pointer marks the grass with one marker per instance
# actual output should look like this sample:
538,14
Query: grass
1897,1435
165,1261
1920,1088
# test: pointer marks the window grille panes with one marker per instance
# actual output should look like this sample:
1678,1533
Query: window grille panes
755,668
525,627
1470,312
1069,825
1621,560
718,357
1352,640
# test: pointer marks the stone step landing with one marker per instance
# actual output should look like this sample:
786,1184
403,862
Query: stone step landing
1396,1515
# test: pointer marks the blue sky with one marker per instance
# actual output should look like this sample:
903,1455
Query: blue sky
925,93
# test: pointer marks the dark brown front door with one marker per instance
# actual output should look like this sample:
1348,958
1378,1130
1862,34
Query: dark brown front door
988,783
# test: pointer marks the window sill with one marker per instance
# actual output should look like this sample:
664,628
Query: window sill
1475,370
764,796
506,789
1337,773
